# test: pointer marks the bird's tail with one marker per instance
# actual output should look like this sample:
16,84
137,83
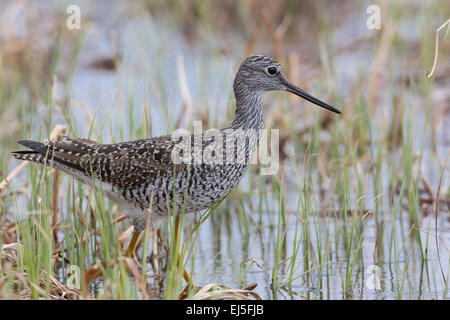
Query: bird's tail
46,153
38,154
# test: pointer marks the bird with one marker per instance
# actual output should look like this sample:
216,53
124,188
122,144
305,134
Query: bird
156,173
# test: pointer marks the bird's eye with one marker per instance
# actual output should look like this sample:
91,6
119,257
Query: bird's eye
271,71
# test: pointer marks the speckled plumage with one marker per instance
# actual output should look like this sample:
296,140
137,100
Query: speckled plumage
131,172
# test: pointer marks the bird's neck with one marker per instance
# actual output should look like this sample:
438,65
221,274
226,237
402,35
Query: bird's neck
248,116
246,128
249,110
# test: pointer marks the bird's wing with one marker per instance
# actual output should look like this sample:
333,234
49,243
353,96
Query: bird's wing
132,164
124,165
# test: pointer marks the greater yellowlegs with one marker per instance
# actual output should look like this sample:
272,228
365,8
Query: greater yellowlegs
138,173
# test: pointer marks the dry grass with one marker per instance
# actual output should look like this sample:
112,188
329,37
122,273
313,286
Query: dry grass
21,285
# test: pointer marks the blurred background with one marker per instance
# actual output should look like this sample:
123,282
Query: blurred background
368,188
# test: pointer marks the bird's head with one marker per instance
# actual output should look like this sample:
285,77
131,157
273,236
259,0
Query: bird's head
259,73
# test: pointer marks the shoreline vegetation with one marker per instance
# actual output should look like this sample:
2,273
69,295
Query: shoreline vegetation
359,205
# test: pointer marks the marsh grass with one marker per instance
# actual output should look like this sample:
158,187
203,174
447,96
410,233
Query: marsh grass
349,197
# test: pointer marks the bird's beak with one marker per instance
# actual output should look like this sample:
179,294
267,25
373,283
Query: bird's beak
299,92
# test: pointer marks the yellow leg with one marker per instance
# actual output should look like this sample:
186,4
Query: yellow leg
155,251
186,274
132,246
187,277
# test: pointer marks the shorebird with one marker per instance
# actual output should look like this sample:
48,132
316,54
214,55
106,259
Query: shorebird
138,173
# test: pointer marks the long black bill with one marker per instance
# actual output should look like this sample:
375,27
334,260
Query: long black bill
299,92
